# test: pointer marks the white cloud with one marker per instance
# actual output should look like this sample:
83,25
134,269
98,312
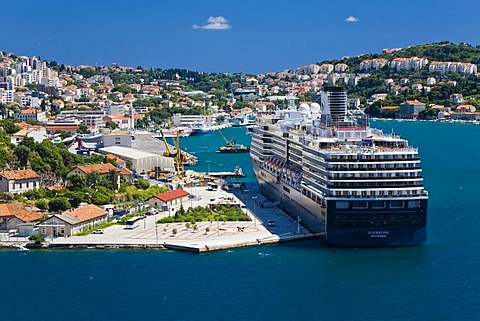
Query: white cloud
215,23
351,19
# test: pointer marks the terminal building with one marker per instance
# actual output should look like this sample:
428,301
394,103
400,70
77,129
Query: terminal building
142,162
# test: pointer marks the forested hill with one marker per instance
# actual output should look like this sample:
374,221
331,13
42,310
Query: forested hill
440,51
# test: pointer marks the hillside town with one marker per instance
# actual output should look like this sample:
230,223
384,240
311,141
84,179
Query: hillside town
68,132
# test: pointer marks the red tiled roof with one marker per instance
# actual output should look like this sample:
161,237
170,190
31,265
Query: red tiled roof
168,196
100,168
389,107
414,102
86,212
115,158
19,174
126,171
18,210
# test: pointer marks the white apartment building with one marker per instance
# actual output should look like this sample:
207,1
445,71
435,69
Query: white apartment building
188,120
6,96
373,64
452,66
31,114
326,68
412,63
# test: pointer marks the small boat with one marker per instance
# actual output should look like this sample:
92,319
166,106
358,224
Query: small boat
235,148
238,172
21,248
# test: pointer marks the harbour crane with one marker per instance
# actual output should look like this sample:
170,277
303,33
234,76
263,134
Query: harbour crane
168,152
230,142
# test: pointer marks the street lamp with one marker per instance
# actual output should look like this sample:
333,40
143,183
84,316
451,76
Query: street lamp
254,208
156,228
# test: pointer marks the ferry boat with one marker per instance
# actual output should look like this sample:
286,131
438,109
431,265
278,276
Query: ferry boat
200,129
348,182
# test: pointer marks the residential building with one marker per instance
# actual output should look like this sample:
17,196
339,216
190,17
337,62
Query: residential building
73,221
12,215
456,99
431,81
19,181
410,109
38,134
411,63
326,68
373,64
114,109
465,109
188,120
27,114
452,66
309,69
101,169
341,67
169,199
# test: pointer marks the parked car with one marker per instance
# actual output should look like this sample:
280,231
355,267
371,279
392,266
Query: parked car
97,232
152,212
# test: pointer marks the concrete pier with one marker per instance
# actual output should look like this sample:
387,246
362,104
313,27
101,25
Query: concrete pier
210,236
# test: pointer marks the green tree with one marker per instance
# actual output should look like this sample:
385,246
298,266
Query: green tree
142,183
42,204
37,239
110,124
4,158
77,181
22,153
82,129
59,204
28,142
92,179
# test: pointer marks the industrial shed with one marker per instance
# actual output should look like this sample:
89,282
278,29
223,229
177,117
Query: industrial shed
142,162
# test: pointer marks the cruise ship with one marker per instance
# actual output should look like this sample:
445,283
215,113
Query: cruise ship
352,184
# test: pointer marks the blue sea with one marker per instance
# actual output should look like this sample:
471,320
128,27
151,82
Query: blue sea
304,280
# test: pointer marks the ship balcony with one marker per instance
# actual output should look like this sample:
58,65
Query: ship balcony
375,185
333,168
376,194
376,158
367,177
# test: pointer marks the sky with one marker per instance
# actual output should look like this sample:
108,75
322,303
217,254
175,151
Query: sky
247,36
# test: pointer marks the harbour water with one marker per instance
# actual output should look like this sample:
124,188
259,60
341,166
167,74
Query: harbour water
302,280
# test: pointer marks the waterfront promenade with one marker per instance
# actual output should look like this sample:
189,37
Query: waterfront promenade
220,235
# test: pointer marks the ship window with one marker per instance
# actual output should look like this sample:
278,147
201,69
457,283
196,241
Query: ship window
378,204
341,205
413,204
360,204
396,204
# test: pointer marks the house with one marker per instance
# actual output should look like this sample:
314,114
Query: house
169,199
19,181
120,162
101,169
127,175
73,221
410,109
465,109
13,215
39,135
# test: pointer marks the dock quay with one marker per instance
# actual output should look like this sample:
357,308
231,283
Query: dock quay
210,236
